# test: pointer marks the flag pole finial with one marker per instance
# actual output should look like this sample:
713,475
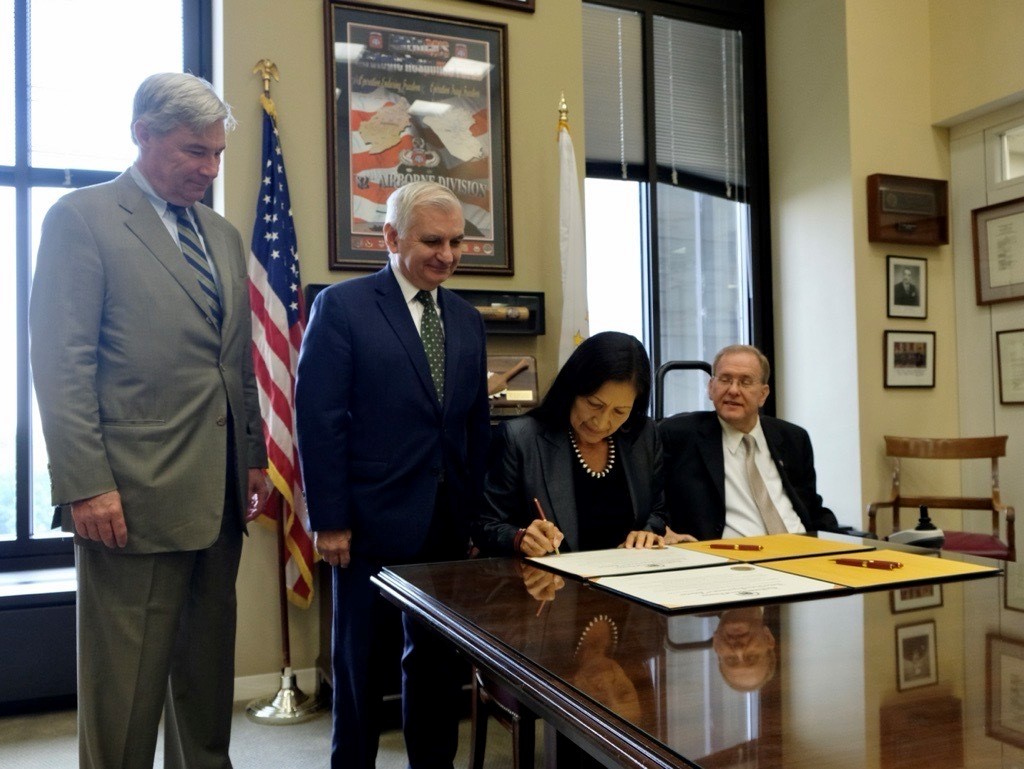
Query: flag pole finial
563,113
266,69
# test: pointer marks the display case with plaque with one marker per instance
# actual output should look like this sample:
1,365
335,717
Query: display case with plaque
906,209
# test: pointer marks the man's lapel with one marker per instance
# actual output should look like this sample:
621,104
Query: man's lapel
146,225
710,445
396,312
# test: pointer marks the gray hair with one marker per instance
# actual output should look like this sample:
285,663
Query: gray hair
735,349
168,100
403,201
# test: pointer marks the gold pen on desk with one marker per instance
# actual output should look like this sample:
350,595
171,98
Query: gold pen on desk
722,546
540,514
867,563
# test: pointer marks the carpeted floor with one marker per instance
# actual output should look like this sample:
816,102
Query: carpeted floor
47,741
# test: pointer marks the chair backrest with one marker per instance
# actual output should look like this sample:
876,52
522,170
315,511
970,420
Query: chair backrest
946,448
988,447
659,380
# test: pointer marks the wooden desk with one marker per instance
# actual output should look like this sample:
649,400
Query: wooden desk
655,695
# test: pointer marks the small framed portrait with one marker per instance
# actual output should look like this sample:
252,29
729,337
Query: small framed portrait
1010,363
1004,703
914,597
910,359
916,660
907,283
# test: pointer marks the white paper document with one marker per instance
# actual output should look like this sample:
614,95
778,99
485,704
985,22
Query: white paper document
621,560
718,585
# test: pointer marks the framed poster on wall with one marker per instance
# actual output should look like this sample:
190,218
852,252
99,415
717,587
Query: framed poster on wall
414,97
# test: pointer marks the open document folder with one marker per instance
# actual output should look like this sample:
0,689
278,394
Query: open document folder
812,576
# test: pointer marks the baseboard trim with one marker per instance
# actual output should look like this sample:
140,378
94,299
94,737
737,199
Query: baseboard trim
268,684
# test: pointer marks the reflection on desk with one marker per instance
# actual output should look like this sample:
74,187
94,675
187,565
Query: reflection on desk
806,683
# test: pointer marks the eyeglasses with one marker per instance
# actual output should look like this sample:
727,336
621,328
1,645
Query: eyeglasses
744,383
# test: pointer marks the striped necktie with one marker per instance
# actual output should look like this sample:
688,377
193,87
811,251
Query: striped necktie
769,513
192,250
433,340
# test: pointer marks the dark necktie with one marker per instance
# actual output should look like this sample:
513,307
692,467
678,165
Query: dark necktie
769,514
433,341
192,250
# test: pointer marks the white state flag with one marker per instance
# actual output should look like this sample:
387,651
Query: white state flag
572,246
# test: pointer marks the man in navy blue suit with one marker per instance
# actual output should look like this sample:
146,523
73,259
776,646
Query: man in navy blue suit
392,423
710,491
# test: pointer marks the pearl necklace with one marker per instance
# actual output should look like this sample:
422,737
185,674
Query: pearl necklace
594,473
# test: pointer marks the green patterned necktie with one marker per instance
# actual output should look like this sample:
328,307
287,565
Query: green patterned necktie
433,340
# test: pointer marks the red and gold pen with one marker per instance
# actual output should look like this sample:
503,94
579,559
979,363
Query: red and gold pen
719,546
868,564
540,514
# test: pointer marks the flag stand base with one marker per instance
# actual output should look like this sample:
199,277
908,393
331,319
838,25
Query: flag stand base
288,706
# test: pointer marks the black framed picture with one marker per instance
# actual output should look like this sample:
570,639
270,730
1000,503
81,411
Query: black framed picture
916,657
910,359
907,284
414,97
519,5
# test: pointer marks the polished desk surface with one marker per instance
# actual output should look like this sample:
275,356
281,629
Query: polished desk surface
850,680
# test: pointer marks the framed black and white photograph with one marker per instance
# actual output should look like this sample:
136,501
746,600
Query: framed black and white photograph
913,597
1004,701
910,359
415,97
907,284
916,659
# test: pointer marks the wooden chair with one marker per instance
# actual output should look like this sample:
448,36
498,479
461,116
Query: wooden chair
973,543
492,699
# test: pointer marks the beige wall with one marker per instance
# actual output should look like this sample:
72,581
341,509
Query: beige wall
544,60
977,60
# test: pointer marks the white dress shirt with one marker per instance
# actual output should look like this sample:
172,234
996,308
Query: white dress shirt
742,518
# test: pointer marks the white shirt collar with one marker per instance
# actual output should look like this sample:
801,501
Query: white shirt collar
731,437
409,291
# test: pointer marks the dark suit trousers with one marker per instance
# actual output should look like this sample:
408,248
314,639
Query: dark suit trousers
432,671
156,633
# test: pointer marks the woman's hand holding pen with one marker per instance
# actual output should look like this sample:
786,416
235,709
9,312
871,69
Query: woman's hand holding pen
540,538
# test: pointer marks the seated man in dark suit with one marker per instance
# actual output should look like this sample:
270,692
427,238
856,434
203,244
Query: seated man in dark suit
733,472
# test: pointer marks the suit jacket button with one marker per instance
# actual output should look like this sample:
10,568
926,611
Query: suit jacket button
221,421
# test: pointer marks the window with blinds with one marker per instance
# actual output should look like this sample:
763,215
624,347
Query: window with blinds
671,114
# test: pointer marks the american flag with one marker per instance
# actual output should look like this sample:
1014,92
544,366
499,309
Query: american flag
278,319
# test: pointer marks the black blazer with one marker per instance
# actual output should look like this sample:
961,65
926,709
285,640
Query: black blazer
695,473
529,460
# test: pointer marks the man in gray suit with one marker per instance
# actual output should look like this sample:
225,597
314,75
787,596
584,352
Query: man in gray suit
141,358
